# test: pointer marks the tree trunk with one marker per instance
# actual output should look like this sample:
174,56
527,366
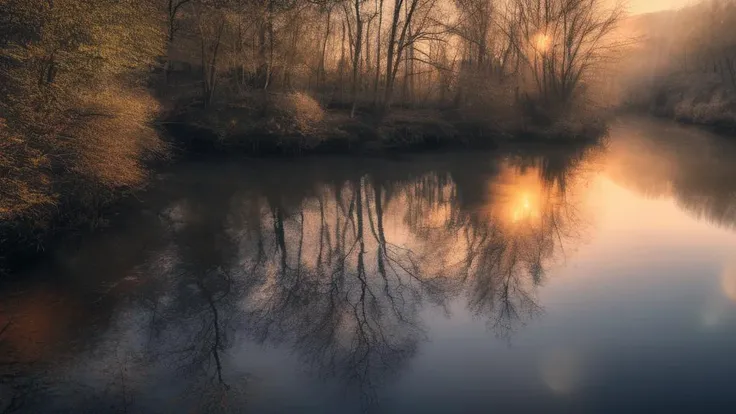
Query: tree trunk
342,63
390,54
262,48
269,26
378,53
321,72
356,56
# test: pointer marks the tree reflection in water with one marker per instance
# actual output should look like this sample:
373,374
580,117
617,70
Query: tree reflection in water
693,167
337,263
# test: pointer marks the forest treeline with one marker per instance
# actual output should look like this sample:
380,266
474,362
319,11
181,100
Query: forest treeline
380,52
685,66
241,71
86,82
76,111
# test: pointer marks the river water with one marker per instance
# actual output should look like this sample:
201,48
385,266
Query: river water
532,280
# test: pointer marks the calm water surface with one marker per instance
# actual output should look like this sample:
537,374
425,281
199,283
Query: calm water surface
593,280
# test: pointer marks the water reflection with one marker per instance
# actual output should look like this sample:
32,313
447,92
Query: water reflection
728,280
662,160
562,371
333,260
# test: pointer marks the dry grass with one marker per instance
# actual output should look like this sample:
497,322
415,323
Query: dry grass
695,98
24,181
59,174
712,112
296,113
111,137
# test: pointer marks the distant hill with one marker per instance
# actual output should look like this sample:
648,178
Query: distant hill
659,27
683,63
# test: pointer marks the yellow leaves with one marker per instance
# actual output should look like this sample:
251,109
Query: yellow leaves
67,107
22,186
86,39
113,136
38,161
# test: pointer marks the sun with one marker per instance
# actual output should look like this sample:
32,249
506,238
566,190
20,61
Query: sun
542,42
523,207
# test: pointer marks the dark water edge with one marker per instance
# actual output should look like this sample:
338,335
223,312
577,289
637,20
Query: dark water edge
723,127
22,243
225,129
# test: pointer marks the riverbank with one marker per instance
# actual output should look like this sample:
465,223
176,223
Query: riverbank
296,124
291,126
703,100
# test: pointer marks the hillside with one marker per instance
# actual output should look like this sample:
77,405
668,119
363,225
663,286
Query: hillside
683,64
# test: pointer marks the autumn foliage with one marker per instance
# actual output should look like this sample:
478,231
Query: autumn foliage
75,119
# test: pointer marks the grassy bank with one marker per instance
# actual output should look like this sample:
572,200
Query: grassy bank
295,123
698,100
701,99
287,125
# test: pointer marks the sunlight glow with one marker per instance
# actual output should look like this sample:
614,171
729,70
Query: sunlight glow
523,208
517,198
542,42
728,281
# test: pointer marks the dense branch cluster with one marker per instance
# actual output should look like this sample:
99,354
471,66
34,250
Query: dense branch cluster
82,80
75,114
413,52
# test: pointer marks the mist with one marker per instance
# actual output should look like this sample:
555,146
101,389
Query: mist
682,63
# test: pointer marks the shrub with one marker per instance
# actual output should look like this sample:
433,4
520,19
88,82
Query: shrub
74,124
24,182
294,114
111,137
485,100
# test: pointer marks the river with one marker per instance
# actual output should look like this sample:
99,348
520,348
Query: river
528,280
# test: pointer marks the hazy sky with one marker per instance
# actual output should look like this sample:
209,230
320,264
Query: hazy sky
646,6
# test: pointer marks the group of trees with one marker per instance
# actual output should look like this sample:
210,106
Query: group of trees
375,52
686,64
82,80
75,117
709,45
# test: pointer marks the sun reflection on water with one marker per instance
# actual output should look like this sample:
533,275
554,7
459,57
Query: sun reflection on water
518,199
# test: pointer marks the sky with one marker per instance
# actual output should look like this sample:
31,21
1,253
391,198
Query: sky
647,6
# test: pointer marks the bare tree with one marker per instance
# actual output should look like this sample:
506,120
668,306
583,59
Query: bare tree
561,41
357,49
210,21
172,11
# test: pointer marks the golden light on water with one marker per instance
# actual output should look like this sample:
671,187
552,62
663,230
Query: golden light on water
728,281
524,208
517,197
35,323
